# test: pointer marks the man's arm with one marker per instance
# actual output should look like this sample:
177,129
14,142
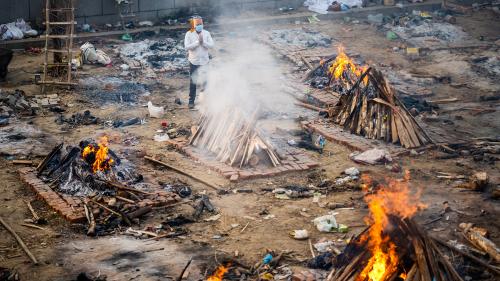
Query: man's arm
208,43
190,42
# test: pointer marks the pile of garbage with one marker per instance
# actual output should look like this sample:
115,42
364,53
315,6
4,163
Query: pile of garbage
162,55
300,37
16,30
418,28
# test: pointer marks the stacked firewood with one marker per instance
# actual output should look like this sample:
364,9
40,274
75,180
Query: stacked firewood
233,138
418,255
371,108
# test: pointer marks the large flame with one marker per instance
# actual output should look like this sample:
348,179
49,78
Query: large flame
344,63
395,199
101,159
219,273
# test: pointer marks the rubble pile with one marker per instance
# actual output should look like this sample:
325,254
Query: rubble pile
299,37
14,103
162,55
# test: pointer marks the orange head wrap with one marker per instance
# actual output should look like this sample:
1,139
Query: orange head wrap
195,21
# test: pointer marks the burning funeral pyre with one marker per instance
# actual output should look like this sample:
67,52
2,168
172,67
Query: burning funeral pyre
100,185
393,247
86,168
368,105
234,139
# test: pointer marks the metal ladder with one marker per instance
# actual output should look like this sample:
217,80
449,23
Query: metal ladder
63,29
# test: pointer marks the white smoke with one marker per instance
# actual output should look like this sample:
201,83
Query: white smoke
246,77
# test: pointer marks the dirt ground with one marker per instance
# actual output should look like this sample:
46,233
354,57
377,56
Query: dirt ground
64,250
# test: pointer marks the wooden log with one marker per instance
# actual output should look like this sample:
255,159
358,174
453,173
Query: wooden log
181,172
123,216
411,272
22,162
465,254
19,241
483,243
90,217
41,167
36,218
139,212
120,186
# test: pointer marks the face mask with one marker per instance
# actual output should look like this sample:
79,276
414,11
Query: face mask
199,28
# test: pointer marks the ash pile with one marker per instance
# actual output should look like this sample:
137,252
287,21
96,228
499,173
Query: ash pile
90,167
105,90
161,55
299,37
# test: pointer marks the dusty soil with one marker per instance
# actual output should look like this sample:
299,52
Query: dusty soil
64,250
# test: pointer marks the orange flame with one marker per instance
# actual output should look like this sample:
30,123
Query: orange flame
395,199
219,273
343,63
102,161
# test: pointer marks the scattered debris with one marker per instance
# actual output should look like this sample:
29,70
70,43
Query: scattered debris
163,55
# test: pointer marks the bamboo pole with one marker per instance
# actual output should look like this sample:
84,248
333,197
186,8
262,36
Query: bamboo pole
19,241
181,172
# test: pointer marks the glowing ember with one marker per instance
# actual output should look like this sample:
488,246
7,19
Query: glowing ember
343,63
403,275
394,199
219,273
98,156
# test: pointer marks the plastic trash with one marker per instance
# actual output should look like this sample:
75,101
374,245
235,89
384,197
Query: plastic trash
9,31
300,234
126,37
155,111
391,35
161,137
91,55
267,259
353,171
323,247
326,223
146,23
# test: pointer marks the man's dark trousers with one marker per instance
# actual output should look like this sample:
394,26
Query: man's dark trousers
192,84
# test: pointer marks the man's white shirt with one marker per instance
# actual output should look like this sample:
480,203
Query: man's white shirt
198,54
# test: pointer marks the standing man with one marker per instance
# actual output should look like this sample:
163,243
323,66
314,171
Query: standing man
197,42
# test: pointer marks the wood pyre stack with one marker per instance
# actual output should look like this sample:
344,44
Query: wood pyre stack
368,105
419,256
394,247
233,138
372,109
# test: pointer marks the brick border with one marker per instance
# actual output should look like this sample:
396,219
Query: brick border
296,162
334,133
71,207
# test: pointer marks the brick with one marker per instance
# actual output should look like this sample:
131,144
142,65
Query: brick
234,178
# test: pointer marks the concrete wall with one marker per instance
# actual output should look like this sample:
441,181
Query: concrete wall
105,11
